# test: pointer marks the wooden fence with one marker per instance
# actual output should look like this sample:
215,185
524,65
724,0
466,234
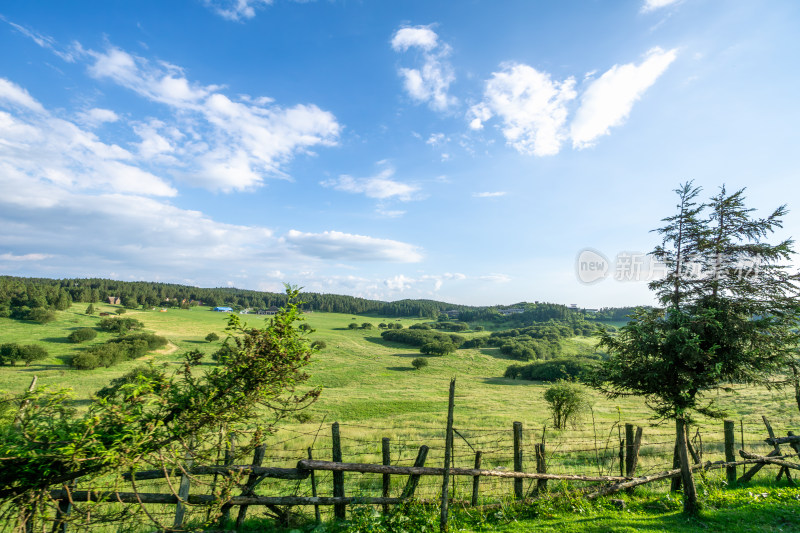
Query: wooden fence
252,475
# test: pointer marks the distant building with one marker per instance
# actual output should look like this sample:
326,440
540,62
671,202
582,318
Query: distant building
223,309
272,311
113,300
512,311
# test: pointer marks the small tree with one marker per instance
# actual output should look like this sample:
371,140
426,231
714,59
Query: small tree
32,352
211,337
419,363
121,311
730,315
82,335
90,309
319,345
367,325
567,402
353,325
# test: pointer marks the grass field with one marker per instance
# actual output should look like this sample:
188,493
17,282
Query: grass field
371,389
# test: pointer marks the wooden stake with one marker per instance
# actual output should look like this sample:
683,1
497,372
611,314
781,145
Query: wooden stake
541,467
339,510
476,480
252,481
413,479
387,478
314,490
447,446
729,454
518,459
183,494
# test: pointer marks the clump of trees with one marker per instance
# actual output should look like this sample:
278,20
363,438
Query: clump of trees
575,368
82,335
437,348
119,325
567,401
117,350
420,337
211,337
11,353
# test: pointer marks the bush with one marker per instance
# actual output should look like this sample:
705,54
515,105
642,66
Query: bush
319,345
9,353
226,351
419,326
353,325
82,335
211,337
138,374
41,315
121,311
552,370
419,363
119,325
85,361
32,352
90,309
567,402
437,348
367,325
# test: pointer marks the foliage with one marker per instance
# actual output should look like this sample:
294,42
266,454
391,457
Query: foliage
82,335
117,350
90,309
40,315
367,325
352,325
419,337
211,337
11,352
226,351
319,345
156,377
152,418
553,370
437,348
121,311
567,401
419,363
727,326
119,325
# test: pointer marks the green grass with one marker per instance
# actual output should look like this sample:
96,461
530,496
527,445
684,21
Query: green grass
370,387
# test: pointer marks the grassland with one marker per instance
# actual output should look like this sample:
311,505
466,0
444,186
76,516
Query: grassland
371,389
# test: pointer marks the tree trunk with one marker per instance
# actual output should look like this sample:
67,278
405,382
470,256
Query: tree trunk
689,492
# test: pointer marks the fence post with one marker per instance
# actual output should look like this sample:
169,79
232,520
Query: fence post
448,444
387,478
541,467
518,459
314,490
183,491
476,480
230,457
628,449
730,457
252,481
413,479
622,457
340,509
675,484
632,461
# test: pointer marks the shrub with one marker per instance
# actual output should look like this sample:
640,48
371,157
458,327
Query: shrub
419,326
41,315
121,311
9,353
437,348
119,325
552,370
211,337
419,363
226,351
137,374
367,325
90,309
353,325
477,342
319,345
85,361
32,352
82,335
567,401
382,325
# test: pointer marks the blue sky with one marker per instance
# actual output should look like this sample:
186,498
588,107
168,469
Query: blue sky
460,151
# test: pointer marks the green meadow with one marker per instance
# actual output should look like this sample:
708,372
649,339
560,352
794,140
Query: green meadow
370,387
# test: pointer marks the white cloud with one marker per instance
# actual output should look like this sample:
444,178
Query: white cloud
95,117
531,106
236,10
234,144
18,97
339,246
44,41
489,194
652,5
495,278
24,257
380,187
431,82
399,283
37,147
417,36
608,100
436,139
